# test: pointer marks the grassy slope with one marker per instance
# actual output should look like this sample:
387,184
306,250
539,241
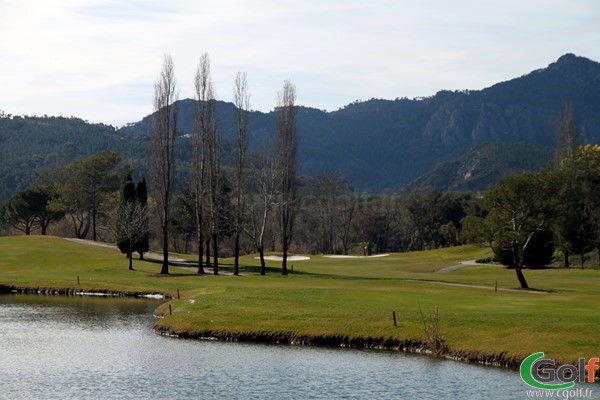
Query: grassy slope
345,297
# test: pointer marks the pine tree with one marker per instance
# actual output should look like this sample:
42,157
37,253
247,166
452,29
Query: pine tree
128,195
142,245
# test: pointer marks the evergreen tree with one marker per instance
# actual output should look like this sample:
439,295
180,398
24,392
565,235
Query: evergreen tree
142,245
128,195
518,211
30,209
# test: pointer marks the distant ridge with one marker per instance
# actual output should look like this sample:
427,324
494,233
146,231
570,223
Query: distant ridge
377,145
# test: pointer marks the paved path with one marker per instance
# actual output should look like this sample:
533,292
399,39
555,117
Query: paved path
191,266
150,255
451,268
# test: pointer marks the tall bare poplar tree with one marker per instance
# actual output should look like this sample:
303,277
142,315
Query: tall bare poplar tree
163,133
206,164
213,151
263,180
204,116
567,136
567,142
241,103
286,164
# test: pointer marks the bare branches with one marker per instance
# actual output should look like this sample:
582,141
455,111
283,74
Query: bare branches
203,120
286,164
163,134
132,220
567,137
241,102
206,142
431,326
263,180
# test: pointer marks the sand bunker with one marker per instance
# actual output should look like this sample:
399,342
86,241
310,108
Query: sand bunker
342,256
290,258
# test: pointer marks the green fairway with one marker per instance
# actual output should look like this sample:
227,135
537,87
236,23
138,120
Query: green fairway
336,297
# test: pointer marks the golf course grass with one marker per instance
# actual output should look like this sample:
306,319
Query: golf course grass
340,301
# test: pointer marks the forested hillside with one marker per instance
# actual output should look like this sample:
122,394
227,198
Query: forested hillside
29,145
483,165
376,145
379,144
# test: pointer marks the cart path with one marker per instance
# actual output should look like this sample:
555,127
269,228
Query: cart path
451,268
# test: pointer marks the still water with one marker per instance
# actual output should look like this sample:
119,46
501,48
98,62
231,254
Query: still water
81,347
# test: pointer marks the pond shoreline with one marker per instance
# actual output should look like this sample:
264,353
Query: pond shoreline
285,338
340,341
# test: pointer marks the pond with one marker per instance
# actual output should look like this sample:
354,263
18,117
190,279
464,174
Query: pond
89,347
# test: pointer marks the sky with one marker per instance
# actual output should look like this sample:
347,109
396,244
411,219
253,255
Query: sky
98,59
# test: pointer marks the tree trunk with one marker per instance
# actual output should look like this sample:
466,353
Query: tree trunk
236,250
200,254
518,267
186,246
215,255
582,255
208,253
263,267
566,261
94,236
130,257
284,243
521,277
165,265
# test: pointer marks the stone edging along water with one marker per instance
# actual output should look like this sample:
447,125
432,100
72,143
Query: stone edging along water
78,292
289,338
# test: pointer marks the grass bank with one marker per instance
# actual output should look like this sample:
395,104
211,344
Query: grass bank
333,301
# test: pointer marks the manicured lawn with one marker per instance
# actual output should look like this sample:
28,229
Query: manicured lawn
342,297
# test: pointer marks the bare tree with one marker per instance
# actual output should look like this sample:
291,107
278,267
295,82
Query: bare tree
207,164
203,125
241,103
286,164
567,136
132,220
260,201
214,188
328,201
163,133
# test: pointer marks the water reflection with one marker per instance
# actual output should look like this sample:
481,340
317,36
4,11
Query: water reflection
77,347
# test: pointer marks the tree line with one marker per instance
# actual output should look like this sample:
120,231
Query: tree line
240,200
81,191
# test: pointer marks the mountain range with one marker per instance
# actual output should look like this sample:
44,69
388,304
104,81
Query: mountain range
454,140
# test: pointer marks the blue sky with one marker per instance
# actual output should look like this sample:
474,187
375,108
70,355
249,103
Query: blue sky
98,60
